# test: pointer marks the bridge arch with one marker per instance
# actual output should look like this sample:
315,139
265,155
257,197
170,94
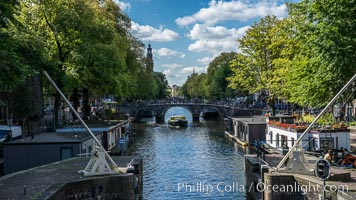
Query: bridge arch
159,110
167,109
212,112
143,112
194,109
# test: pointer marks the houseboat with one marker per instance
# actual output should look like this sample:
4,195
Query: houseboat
178,121
283,130
248,130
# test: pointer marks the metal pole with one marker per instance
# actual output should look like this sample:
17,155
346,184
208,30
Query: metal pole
10,123
323,189
80,119
315,120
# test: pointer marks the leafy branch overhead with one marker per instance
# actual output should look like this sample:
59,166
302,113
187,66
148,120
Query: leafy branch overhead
305,58
83,44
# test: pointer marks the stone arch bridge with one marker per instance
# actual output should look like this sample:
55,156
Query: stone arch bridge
196,109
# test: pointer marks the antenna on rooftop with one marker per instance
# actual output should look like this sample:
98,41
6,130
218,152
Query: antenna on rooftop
97,164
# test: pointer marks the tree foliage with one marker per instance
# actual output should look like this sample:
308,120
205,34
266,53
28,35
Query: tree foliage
218,70
326,60
161,85
305,58
194,86
213,84
253,69
13,66
81,43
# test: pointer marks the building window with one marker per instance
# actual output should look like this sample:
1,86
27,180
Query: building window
312,144
277,140
271,137
326,143
284,139
66,152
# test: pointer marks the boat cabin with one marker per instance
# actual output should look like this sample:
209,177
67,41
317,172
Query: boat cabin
178,121
250,129
281,130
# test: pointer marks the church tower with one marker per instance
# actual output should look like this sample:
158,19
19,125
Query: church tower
149,59
149,52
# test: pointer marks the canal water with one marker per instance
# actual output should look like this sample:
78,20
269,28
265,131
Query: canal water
196,162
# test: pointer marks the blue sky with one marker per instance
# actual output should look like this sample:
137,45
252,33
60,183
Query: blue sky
188,34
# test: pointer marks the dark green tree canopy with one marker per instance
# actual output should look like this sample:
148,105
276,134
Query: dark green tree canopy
82,44
218,70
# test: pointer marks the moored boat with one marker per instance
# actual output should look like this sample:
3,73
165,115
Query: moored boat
178,121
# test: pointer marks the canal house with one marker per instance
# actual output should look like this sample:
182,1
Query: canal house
283,130
250,129
48,147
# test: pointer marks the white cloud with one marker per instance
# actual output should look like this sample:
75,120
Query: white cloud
123,5
179,74
205,60
215,39
210,39
169,53
173,75
149,33
173,65
170,73
189,70
219,11
201,32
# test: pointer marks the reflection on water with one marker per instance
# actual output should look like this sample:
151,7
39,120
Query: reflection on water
196,162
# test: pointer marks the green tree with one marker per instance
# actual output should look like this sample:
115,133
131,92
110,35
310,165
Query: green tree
144,89
161,85
194,86
327,57
101,56
13,66
201,85
218,70
56,26
135,64
20,59
253,69
84,43
183,90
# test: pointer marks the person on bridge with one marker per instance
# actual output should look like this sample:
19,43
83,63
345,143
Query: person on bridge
128,127
329,156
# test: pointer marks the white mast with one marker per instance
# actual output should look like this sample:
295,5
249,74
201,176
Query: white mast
97,164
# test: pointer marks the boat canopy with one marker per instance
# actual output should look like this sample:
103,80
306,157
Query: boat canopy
180,117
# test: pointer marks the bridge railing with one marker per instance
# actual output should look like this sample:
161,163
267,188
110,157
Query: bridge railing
221,103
